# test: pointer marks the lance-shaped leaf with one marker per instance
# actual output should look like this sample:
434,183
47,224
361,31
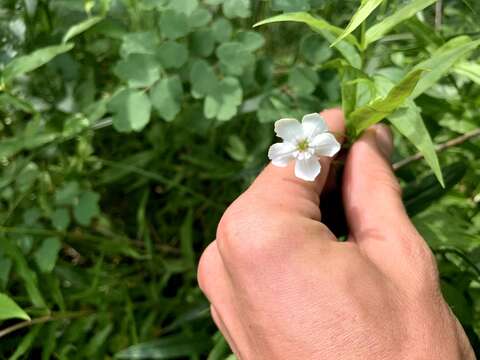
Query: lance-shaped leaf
24,64
364,11
408,121
377,31
442,61
324,28
10,310
469,69
81,27
316,23
168,347
370,114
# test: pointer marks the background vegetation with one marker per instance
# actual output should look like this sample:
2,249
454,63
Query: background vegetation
127,127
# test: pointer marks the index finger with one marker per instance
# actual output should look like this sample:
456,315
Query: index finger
279,186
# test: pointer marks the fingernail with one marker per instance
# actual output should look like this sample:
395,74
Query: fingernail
384,140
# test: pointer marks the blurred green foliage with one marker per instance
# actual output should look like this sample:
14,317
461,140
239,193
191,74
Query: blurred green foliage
127,127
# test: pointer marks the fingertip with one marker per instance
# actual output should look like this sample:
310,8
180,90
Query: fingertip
335,121
384,139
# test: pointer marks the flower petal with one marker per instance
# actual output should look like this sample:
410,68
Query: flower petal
281,153
307,169
325,145
288,129
313,124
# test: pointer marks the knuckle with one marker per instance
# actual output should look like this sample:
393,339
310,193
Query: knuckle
230,228
204,271
246,238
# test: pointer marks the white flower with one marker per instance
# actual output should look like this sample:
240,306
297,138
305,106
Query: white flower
305,143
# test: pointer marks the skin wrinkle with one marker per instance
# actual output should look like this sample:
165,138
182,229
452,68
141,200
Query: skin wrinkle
221,325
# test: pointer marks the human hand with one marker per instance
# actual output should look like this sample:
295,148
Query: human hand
282,287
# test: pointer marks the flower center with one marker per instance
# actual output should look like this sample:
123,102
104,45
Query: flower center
303,145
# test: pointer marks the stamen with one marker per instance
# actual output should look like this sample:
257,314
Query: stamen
303,145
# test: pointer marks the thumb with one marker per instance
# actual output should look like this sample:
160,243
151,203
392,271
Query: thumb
373,204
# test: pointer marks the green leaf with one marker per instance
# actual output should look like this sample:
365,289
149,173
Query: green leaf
251,40
315,50
316,23
378,30
138,70
87,207
199,18
236,148
222,30
172,55
186,7
370,114
458,302
60,219
174,25
27,342
290,5
131,110
424,33
28,277
47,254
276,105
203,79
67,194
186,239
223,103
468,69
236,8
169,347
364,11
167,96
234,57
202,42
81,27
24,64
303,80
5,267
442,61
409,123
423,192
459,125
96,342
50,340
10,310
139,43
220,349
346,47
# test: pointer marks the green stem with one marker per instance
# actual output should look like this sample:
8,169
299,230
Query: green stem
42,320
